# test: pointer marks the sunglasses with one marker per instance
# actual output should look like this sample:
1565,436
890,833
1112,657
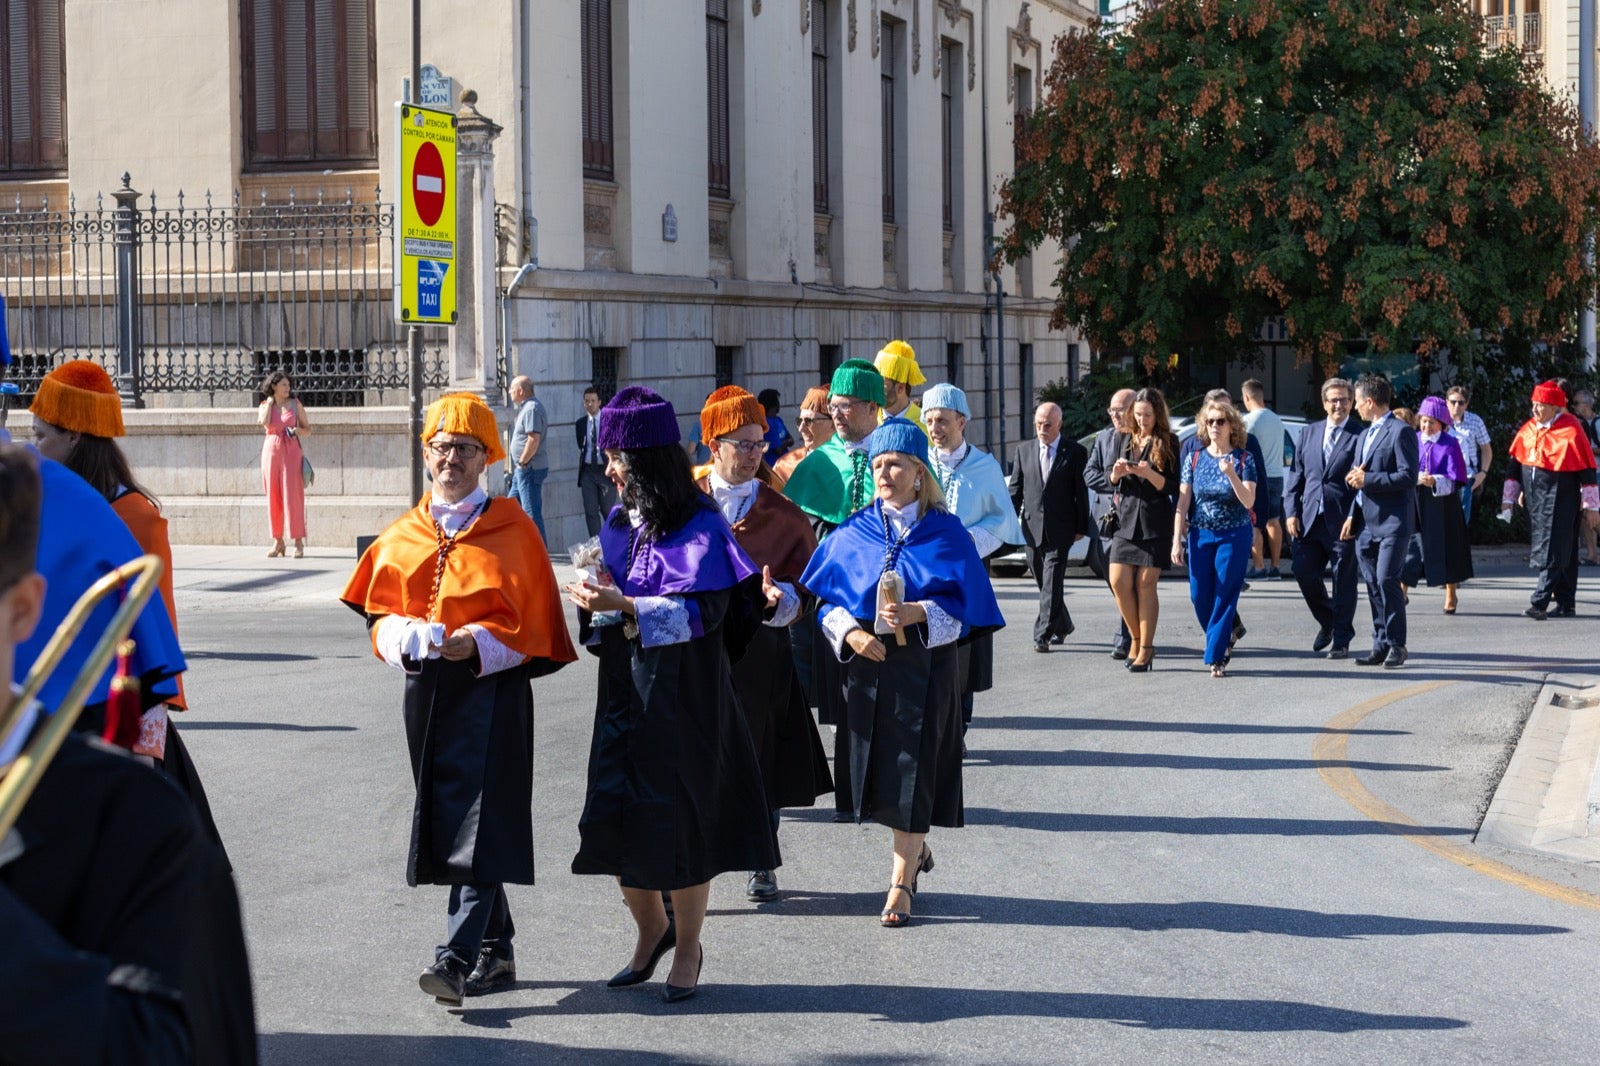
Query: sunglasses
1216,421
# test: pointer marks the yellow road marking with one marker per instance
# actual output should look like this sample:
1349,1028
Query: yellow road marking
1330,749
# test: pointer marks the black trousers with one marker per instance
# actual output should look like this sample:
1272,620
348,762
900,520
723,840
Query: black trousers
1558,582
1049,570
599,494
479,917
1381,560
1312,553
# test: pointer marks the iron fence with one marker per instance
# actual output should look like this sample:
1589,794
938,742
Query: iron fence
208,298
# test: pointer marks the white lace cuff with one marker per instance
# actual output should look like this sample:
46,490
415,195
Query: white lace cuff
836,624
493,656
152,733
986,543
942,627
1443,486
788,608
667,620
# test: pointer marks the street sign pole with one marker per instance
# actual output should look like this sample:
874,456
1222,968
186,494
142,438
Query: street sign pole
414,332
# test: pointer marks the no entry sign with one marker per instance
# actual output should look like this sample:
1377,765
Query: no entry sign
425,236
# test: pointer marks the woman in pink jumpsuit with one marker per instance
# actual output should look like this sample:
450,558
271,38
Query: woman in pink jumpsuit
283,419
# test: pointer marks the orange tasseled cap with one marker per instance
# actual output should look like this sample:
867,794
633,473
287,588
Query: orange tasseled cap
80,397
726,410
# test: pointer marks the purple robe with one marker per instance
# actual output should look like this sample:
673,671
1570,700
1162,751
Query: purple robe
1442,458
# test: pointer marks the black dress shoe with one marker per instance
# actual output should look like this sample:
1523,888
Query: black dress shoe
1059,639
1324,638
1119,651
1563,612
1041,645
630,976
1375,658
1339,651
1538,614
762,887
492,972
1396,657
445,980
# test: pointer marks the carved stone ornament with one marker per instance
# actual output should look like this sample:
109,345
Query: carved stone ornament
877,30
755,8
916,36
850,16
952,11
805,18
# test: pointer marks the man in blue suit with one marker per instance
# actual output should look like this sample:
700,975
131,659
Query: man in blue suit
1384,476
1316,502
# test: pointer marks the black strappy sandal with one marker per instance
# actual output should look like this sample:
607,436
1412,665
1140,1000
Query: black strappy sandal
894,919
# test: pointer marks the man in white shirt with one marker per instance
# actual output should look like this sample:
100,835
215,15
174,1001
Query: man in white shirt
1476,449
1268,429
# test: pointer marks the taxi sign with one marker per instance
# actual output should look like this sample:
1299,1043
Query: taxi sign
425,234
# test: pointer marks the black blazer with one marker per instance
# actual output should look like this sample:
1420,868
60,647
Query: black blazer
580,427
1145,512
1054,511
1316,493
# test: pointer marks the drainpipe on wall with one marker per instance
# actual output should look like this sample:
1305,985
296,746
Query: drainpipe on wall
1586,111
505,327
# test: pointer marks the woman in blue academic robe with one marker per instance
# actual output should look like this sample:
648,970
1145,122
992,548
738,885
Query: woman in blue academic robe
899,650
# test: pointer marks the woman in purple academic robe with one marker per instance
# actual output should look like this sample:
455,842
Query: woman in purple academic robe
1441,471
675,794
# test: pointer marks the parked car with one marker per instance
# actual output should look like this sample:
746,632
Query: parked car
1087,551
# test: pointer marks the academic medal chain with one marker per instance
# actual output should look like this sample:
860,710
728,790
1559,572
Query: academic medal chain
447,544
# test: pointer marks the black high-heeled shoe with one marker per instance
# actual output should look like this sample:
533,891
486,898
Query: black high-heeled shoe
677,993
925,861
1144,667
630,976
897,919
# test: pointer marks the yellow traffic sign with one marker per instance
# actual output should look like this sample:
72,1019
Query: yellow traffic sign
425,234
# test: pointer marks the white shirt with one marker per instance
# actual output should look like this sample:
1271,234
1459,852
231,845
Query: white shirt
1047,456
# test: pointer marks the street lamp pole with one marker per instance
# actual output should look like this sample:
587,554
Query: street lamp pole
413,332
1586,111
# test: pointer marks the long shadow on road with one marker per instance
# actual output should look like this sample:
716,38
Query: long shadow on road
1121,725
921,1005
1082,822
1159,761
942,908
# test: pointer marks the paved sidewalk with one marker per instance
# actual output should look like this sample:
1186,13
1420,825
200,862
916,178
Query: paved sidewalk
210,576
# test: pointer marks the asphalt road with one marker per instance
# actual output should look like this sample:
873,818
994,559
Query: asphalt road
1156,868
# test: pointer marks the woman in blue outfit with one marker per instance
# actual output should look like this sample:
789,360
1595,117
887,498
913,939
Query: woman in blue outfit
1216,533
902,682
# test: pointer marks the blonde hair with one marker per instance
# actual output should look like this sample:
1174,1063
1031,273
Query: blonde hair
1238,436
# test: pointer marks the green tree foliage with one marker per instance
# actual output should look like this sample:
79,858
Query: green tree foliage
1365,168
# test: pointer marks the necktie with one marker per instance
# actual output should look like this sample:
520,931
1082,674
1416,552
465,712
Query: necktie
1327,444
588,443
1044,460
858,480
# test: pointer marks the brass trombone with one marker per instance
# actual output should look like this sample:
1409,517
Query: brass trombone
19,781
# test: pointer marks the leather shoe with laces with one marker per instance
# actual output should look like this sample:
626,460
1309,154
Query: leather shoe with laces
762,887
1373,658
492,972
1339,651
445,980
1324,638
1396,657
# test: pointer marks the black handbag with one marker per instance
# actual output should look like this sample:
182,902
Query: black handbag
1108,522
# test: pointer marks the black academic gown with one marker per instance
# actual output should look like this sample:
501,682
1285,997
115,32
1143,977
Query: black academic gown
1554,500
471,743
793,765
904,718
675,794
123,941
1446,550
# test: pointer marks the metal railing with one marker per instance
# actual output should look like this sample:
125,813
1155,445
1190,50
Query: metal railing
1510,31
209,298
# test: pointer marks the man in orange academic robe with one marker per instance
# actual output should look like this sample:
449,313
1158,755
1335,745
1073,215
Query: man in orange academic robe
459,594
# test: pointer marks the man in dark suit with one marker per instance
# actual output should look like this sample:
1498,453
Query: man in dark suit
1108,444
599,494
1384,476
1047,482
1316,502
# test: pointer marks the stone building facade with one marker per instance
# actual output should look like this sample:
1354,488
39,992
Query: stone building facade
687,192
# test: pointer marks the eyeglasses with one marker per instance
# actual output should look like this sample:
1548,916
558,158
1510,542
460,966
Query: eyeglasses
744,447
1216,421
807,420
1457,402
1337,401
465,449
840,406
